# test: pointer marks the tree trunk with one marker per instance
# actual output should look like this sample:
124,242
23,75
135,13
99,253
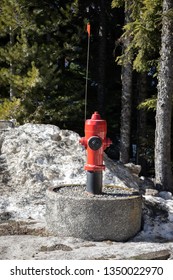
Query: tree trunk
102,59
125,130
12,93
163,172
141,117
126,77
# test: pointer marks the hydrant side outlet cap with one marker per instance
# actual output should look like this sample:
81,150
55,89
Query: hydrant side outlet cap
95,143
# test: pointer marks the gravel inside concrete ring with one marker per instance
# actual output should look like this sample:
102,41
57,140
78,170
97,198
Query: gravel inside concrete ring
108,192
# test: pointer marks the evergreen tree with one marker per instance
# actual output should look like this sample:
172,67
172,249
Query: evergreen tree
46,46
144,28
18,73
142,50
163,170
57,98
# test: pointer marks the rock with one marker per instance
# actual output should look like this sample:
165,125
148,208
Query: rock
135,169
157,219
47,247
165,195
117,174
156,255
4,216
6,125
37,156
147,187
151,192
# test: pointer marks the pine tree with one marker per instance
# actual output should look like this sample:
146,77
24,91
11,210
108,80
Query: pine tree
18,74
57,98
142,50
163,168
42,62
144,28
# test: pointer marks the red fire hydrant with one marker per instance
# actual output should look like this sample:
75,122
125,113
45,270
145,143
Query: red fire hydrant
95,142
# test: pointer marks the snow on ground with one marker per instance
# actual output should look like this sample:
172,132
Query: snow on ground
157,218
35,157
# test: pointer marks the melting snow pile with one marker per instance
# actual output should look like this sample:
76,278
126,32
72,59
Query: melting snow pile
34,157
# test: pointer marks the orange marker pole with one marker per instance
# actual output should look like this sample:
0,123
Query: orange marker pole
88,29
87,67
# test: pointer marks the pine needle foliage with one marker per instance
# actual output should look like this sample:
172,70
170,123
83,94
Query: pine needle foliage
149,104
40,73
145,32
18,71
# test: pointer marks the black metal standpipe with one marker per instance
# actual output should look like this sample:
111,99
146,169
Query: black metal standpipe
94,182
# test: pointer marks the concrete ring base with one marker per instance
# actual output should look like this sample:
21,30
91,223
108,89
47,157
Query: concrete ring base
93,218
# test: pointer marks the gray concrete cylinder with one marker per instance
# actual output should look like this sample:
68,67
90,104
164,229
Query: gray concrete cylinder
93,217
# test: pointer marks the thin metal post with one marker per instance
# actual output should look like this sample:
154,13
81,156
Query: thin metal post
87,67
